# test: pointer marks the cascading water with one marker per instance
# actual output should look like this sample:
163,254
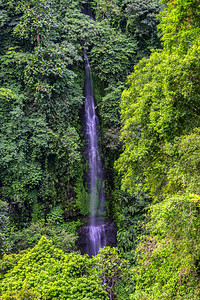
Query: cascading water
95,164
96,230
98,233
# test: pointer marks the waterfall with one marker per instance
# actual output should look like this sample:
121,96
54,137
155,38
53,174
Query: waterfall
95,165
98,233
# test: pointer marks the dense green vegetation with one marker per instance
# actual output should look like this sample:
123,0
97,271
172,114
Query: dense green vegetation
150,143
46,272
160,131
41,107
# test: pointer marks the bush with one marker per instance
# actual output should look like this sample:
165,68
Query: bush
46,272
168,259
63,235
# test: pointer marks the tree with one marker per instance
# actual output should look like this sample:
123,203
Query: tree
160,116
112,271
107,10
168,259
37,20
179,24
142,21
112,55
163,104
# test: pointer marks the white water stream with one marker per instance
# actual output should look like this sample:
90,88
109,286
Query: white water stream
96,232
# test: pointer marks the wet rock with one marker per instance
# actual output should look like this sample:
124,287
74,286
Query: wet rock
92,237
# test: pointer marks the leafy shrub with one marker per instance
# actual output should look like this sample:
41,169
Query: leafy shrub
46,272
113,272
131,220
21,295
63,235
168,259
8,262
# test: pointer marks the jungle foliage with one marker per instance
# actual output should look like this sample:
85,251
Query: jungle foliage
160,132
46,272
150,133
41,98
43,190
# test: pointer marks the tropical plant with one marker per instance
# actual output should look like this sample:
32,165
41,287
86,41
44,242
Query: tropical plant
45,272
168,259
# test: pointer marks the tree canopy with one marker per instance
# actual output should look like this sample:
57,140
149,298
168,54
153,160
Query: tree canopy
160,129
